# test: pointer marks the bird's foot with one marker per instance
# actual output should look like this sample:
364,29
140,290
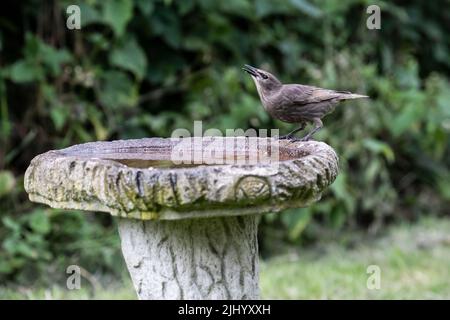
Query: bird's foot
285,137
303,139
293,138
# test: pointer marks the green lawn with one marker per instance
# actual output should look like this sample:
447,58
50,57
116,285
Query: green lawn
414,261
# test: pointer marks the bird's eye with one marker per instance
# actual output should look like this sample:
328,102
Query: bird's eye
264,76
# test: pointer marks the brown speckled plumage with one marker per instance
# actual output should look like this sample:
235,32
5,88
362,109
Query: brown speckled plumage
296,103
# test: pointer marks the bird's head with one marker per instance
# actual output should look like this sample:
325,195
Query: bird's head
264,80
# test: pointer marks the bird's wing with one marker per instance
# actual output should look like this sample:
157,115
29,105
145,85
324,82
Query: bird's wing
298,94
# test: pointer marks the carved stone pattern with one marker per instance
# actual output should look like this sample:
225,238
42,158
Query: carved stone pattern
215,258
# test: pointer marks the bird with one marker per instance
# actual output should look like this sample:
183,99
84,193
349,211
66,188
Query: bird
296,103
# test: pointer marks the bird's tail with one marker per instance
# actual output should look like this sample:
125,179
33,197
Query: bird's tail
345,95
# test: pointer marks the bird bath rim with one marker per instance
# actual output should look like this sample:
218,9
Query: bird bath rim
95,176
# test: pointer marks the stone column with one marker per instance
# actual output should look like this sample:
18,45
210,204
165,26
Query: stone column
204,258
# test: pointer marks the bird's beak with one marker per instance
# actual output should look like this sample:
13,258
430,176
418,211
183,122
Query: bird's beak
251,70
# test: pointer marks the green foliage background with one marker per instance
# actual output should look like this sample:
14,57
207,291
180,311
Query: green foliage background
144,68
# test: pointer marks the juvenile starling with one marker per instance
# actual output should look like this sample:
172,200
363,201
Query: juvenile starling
296,103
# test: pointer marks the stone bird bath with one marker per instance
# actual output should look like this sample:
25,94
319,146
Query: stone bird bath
187,216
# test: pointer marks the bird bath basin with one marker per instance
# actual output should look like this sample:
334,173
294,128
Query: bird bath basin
187,208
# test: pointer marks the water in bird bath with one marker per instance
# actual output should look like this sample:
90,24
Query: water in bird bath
160,153
236,158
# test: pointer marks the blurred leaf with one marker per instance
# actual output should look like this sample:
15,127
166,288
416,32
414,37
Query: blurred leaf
17,247
5,266
405,120
7,182
83,134
9,245
24,71
306,7
32,46
5,122
18,149
99,40
268,7
147,7
11,224
117,90
24,249
117,13
89,14
302,219
340,188
167,26
186,6
101,132
37,55
131,57
59,117
380,147
54,58
444,187
39,222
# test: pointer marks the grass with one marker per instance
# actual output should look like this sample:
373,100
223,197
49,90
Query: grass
414,262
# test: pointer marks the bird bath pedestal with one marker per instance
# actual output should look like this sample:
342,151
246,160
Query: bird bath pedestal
187,208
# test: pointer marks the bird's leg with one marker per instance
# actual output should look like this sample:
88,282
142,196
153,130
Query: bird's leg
290,134
317,126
